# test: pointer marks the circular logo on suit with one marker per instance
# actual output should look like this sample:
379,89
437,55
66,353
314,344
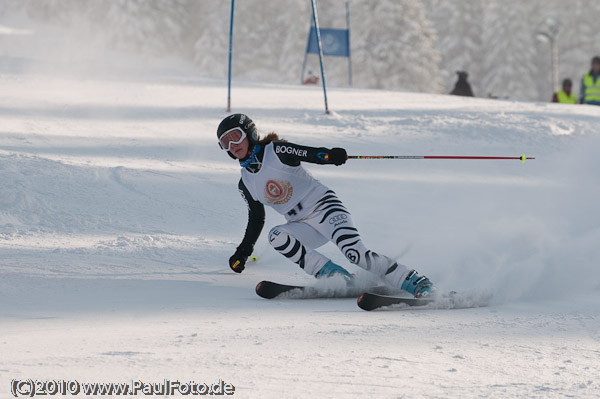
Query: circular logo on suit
278,191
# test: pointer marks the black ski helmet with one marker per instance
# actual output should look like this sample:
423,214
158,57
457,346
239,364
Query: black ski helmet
242,121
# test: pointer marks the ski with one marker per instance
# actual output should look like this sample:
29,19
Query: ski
372,298
270,290
451,300
371,301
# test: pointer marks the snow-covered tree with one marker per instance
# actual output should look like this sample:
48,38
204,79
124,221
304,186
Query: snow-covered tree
578,37
148,26
510,63
394,46
263,34
10,6
460,29
292,18
414,45
500,36
55,11
268,42
212,41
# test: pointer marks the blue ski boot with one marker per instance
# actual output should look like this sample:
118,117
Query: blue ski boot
419,286
331,269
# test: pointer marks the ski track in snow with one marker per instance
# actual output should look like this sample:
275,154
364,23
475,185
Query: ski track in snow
118,214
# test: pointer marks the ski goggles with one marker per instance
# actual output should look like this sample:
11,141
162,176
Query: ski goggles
232,136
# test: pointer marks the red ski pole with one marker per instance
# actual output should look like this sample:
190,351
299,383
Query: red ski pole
522,157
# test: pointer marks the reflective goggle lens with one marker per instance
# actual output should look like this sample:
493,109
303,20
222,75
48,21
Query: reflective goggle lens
232,136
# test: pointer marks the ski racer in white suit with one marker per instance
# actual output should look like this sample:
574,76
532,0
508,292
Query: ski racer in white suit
272,175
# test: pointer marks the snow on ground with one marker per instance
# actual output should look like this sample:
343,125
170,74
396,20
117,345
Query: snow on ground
118,213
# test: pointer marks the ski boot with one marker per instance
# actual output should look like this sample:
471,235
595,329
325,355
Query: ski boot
331,269
419,286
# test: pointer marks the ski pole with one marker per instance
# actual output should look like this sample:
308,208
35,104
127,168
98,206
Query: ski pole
522,157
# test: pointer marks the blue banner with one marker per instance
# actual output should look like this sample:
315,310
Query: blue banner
335,42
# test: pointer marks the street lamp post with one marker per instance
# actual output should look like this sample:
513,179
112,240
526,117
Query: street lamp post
549,34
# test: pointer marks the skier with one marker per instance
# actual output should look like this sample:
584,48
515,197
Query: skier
272,175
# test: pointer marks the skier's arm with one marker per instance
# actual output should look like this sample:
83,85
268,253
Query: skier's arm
292,154
582,91
256,221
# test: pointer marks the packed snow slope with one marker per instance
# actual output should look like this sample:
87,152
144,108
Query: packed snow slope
118,213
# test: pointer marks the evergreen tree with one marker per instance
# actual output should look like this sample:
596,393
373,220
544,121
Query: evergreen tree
291,20
55,11
459,24
7,7
212,43
510,63
268,42
394,43
578,38
394,46
147,26
260,36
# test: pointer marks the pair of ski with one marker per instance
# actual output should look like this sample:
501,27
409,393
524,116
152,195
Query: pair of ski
370,299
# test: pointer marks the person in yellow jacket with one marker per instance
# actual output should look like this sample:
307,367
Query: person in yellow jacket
590,84
565,96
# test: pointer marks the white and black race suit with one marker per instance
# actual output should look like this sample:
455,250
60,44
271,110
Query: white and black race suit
314,213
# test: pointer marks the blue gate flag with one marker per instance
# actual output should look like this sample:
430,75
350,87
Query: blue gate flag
335,42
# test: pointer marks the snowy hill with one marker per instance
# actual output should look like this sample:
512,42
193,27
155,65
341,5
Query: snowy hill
118,213
409,45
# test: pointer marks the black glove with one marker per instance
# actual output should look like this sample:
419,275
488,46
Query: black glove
338,156
238,261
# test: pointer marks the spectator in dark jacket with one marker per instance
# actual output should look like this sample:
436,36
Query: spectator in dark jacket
462,88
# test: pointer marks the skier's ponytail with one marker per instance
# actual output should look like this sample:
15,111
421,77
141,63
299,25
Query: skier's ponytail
269,138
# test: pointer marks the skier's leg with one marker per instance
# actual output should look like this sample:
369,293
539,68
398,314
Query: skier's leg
295,241
396,274
332,220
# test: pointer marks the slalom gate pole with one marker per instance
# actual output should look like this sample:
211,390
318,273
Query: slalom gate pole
522,157
320,46
230,52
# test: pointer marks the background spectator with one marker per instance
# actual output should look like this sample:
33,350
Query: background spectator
590,84
565,96
462,87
